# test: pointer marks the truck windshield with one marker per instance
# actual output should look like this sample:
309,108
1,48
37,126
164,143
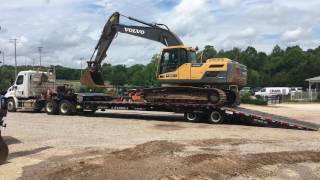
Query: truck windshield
19,80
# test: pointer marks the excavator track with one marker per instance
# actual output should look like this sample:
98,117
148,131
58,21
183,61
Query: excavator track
4,151
185,94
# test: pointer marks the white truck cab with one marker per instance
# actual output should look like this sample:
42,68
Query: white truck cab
28,88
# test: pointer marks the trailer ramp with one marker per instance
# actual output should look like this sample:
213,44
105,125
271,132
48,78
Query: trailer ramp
268,119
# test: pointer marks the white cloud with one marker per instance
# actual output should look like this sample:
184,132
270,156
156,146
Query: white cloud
69,29
293,35
246,33
229,3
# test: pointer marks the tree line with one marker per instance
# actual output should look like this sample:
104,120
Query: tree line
282,67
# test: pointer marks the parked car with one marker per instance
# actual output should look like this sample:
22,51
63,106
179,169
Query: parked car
295,89
246,90
272,91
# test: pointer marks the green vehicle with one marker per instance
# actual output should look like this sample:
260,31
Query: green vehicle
246,90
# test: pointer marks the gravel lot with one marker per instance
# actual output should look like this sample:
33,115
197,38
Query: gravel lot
120,144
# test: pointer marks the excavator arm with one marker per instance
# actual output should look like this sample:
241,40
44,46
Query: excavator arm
156,32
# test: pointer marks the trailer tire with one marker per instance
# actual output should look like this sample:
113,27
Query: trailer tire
66,107
51,108
4,151
216,117
11,106
191,117
38,106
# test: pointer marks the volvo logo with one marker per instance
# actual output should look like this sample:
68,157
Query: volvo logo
135,31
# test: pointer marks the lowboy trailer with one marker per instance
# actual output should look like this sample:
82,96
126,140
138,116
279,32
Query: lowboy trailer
89,103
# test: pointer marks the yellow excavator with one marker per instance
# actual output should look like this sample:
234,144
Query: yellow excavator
184,78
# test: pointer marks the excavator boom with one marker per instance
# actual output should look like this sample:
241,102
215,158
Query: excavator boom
157,32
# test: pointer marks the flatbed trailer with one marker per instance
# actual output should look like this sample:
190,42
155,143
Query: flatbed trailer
198,112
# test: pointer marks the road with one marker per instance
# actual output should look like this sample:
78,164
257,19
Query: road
120,144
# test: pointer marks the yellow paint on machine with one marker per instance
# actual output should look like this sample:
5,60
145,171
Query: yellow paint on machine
188,71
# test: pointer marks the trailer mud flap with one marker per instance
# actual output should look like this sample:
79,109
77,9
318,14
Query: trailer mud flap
4,150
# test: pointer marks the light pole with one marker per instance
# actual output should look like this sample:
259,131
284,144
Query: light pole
40,51
14,41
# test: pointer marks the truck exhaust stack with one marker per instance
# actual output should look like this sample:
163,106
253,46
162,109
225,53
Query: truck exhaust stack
92,79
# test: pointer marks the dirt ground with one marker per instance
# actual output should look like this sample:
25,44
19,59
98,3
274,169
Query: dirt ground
120,144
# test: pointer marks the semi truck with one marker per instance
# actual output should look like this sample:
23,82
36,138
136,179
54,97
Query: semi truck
39,91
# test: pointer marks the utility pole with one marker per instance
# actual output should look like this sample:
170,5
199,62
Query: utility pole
14,41
81,59
40,52
2,52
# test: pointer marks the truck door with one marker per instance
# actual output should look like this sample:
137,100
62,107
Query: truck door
19,86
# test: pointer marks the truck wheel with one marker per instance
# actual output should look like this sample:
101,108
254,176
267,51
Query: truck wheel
11,105
216,117
191,117
4,151
66,108
51,108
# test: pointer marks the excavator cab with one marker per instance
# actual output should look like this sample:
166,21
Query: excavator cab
174,57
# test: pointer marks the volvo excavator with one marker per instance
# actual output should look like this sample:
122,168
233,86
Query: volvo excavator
184,78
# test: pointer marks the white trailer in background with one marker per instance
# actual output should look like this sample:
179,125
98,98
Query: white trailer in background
272,91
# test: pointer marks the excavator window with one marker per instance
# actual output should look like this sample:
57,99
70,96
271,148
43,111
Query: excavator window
193,57
171,59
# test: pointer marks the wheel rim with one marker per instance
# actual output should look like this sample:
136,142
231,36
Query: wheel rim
10,105
191,116
64,108
49,107
215,117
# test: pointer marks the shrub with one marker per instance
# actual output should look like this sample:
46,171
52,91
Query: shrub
246,98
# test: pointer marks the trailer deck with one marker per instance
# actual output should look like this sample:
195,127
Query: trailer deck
233,113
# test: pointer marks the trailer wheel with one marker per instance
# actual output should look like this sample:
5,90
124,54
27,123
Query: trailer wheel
4,151
51,108
11,105
38,106
191,117
66,107
216,117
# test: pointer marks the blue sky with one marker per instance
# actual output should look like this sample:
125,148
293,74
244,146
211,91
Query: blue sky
69,29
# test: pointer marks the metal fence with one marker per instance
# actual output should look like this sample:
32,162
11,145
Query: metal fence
273,99
305,95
